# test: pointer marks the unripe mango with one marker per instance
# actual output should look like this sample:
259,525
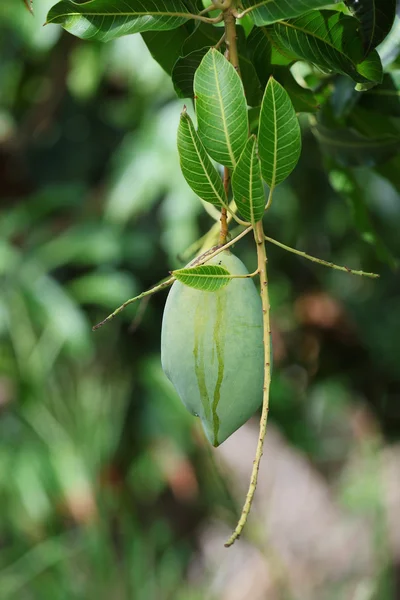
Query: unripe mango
212,350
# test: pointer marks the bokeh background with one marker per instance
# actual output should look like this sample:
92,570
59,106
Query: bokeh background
108,488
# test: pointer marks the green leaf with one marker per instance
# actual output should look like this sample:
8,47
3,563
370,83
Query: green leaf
247,185
196,166
279,137
330,41
106,20
221,109
350,148
263,54
207,278
376,19
384,98
389,49
264,60
270,11
165,46
193,51
184,71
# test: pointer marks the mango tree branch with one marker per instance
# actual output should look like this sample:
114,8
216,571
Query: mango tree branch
203,258
262,268
319,260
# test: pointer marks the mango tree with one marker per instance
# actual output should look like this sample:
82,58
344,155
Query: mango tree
250,69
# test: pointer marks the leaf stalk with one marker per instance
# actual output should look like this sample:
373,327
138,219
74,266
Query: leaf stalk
262,268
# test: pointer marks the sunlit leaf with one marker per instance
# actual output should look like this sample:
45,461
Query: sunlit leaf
105,20
376,19
221,109
247,185
269,11
207,278
196,166
279,136
330,41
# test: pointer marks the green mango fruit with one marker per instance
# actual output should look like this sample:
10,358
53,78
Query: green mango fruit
212,350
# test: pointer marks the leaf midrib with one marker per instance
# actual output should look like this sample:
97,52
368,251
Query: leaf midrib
120,14
222,200
225,125
317,37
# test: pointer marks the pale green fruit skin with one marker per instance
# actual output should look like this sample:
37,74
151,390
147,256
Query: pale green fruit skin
212,350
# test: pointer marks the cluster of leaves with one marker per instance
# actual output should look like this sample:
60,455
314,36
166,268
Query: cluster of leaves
324,57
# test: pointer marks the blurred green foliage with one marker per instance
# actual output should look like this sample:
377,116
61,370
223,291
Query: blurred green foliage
105,479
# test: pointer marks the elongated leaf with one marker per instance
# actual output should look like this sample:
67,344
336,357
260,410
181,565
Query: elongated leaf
376,19
270,11
350,148
196,166
207,278
221,109
330,41
105,20
279,137
247,185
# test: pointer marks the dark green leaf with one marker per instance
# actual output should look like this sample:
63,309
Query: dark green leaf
352,149
279,134
196,166
389,50
303,99
247,185
207,278
193,51
165,46
384,98
330,41
184,71
270,11
221,109
105,20
376,19
263,55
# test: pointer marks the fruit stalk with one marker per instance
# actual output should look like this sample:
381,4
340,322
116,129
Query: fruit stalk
262,268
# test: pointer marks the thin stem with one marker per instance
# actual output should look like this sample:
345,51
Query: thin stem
231,38
320,261
153,290
220,42
199,17
206,256
207,10
248,10
262,268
